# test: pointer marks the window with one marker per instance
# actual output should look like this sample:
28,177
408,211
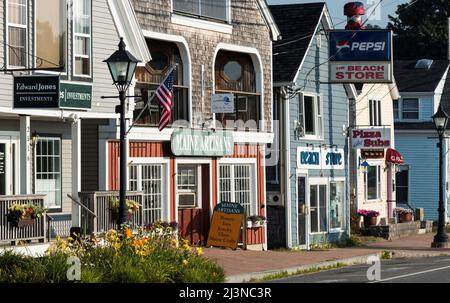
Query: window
82,37
48,170
310,115
395,103
336,204
164,55
375,112
410,109
235,74
50,33
401,181
17,33
215,9
149,179
188,183
318,204
373,182
236,185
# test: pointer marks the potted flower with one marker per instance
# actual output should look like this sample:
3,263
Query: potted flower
131,206
370,217
256,221
21,215
405,214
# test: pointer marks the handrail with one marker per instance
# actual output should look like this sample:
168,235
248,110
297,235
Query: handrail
83,206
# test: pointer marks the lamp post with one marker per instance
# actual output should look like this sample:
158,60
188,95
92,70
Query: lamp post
122,65
440,120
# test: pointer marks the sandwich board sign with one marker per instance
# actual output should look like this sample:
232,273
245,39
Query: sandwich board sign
226,225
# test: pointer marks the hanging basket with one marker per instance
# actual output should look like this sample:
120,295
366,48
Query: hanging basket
115,216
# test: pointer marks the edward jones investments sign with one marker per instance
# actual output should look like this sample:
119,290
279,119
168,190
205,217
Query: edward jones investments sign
50,92
371,138
186,142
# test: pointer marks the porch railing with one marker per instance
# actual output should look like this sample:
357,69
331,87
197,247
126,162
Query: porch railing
100,204
9,233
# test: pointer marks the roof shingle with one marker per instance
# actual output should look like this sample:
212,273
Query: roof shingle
409,79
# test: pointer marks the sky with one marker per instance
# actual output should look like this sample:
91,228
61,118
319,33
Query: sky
336,7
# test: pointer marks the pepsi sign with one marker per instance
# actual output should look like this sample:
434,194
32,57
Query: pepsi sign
366,45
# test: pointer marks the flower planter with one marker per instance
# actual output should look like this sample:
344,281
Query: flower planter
405,218
370,221
256,224
22,222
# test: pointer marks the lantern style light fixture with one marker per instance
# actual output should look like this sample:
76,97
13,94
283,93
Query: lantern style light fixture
440,120
364,167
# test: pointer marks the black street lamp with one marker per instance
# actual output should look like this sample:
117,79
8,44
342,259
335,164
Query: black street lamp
440,120
122,65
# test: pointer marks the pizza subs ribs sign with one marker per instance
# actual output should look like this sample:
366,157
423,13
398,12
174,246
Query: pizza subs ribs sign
371,138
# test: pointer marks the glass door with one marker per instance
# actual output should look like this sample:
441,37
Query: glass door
303,213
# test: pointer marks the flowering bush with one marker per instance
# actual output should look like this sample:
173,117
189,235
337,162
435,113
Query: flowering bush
131,205
368,213
24,211
403,211
256,219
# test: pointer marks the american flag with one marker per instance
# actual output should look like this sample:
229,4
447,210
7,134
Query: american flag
164,95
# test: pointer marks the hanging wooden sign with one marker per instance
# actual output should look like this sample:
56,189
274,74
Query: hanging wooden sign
372,153
226,225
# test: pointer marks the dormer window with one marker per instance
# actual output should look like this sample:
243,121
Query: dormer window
208,9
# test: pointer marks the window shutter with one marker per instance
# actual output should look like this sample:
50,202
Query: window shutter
379,112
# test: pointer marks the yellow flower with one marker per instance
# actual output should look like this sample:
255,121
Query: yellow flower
128,233
185,262
199,251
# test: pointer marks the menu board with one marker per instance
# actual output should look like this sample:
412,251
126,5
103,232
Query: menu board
226,225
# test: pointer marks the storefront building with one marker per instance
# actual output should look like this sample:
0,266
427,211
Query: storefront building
204,156
308,189
372,167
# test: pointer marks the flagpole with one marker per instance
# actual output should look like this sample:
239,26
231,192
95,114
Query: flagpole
150,99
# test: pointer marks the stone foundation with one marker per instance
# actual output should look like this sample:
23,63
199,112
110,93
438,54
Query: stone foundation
399,230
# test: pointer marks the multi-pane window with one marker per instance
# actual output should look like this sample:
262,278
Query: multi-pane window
337,204
375,112
17,33
51,27
373,182
215,9
318,205
310,115
235,185
82,37
410,109
48,170
148,178
395,104
187,188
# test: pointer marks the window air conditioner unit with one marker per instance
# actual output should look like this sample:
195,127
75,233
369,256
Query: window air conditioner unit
275,199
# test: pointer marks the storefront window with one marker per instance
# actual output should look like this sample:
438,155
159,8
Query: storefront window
48,170
372,181
336,204
148,178
50,33
318,203
235,185
187,189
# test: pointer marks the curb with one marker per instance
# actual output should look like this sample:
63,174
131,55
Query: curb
394,254
243,278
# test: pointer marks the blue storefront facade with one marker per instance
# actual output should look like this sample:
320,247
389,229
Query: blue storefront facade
312,175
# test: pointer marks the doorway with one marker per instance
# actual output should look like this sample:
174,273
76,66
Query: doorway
8,167
303,212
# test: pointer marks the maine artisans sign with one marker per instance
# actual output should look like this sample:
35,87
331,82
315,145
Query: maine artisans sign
188,142
226,225
371,138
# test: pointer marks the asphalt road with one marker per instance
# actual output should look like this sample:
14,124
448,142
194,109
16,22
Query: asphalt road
417,270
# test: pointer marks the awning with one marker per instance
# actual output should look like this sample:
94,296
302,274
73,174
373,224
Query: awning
394,157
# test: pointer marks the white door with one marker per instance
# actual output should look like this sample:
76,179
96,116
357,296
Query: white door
8,167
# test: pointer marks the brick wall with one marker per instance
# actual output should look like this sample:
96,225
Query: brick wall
249,30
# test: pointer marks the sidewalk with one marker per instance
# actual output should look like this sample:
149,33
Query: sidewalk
241,265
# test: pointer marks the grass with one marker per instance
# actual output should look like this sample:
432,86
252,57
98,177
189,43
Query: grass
386,255
285,274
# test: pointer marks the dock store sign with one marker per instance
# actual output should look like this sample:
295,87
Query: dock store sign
369,138
50,92
320,158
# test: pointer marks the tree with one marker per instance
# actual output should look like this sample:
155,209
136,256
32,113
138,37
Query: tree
421,29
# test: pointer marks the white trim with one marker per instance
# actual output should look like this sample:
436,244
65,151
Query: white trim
259,72
307,208
128,27
166,206
224,28
56,113
318,181
185,54
275,32
76,170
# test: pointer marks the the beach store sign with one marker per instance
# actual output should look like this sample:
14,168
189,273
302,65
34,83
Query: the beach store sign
320,158
50,92
187,142
365,138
